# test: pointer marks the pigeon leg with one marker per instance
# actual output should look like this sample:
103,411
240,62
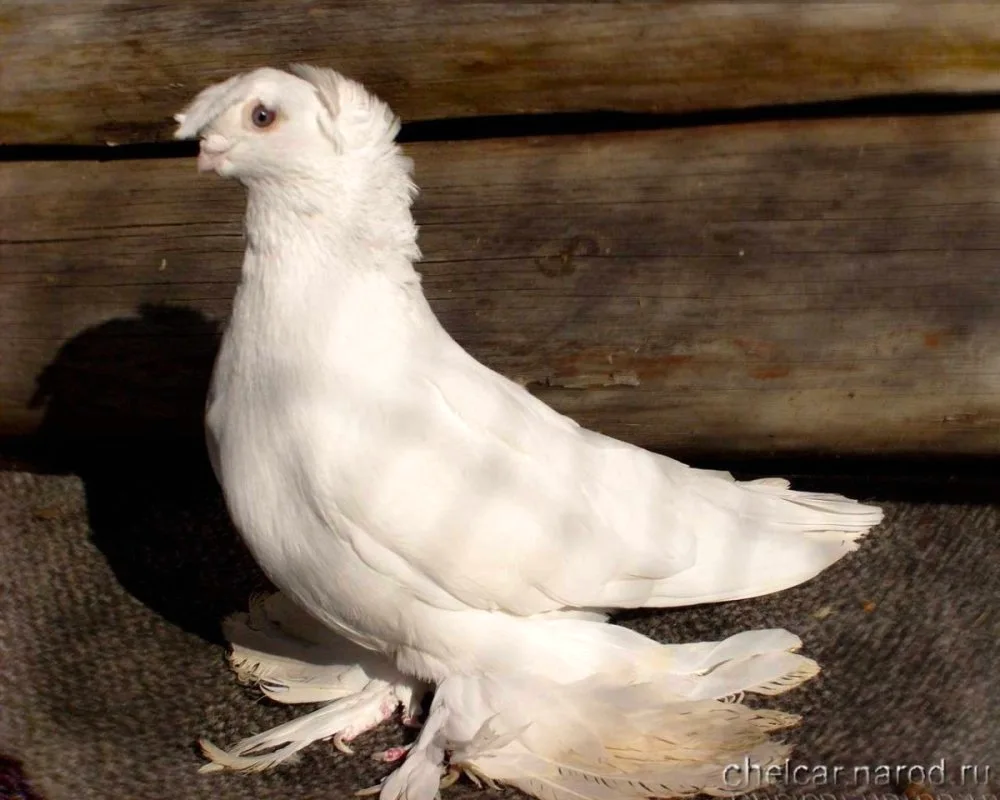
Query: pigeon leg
294,659
340,720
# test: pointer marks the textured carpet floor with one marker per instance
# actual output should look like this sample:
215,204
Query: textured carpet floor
114,581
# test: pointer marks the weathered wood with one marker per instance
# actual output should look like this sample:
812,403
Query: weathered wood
96,71
820,286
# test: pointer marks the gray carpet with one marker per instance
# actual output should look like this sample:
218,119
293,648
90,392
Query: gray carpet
114,581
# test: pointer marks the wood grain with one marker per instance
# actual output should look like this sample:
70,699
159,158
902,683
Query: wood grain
811,287
115,71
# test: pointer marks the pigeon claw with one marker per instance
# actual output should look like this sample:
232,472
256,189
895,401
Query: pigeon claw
450,778
339,741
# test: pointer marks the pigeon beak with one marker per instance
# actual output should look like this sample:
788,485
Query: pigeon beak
209,160
212,153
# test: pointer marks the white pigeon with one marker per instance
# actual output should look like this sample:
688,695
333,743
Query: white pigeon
430,523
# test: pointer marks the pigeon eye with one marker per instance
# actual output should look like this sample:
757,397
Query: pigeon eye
262,116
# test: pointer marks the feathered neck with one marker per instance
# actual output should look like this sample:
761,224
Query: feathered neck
352,214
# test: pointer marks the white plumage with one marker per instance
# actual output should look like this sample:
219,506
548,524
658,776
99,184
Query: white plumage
430,522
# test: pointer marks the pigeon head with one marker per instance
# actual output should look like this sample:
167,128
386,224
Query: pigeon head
274,125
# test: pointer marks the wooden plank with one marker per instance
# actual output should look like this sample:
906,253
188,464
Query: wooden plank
97,71
820,286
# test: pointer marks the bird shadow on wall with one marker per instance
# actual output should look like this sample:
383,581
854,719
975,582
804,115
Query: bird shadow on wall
124,406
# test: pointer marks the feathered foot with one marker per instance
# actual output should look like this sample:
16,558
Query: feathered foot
340,720
293,658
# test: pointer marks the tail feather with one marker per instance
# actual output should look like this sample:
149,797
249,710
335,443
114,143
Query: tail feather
701,656
601,738
528,741
757,662
686,779
676,750
769,674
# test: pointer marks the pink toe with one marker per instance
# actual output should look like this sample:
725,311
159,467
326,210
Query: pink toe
393,754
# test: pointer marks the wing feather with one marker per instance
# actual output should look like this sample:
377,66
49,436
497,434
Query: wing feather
503,502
